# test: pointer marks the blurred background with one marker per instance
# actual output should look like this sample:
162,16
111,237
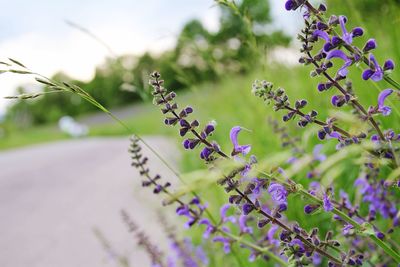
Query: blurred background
205,52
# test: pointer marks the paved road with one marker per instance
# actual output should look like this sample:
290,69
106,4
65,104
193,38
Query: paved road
52,195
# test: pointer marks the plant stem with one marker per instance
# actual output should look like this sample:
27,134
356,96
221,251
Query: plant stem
264,250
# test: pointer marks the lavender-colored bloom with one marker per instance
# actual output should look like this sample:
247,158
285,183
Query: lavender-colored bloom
346,36
318,156
363,184
375,73
343,71
270,235
238,149
345,199
347,228
209,228
201,255
259,187
385,110
297,245
327,203
321,34
292,160
316,259
278,193
225,241
375,138
223,212
243,225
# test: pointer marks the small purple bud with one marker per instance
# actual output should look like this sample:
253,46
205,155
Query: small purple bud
328,47
336,41
206,153
290,5
322,7
380,235
282,207
321,134
322,26
186,143
358,31
389,65
184,123
247,208
321,87
371,44
308,209
209,128
189,110
335,100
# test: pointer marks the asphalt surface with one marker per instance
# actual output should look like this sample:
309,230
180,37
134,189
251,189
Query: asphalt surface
52,196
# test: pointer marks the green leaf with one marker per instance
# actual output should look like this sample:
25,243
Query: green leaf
17,62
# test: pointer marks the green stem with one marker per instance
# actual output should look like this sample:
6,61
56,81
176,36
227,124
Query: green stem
265,251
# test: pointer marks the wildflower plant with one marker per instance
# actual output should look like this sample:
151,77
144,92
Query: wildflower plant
259,194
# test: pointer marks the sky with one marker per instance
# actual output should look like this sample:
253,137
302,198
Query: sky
35,32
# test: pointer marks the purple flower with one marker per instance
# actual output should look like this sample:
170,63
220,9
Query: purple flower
278,193
346,229
316,259
271,233
375,71
243,225
327,203
346,36
225,241
297,245
343,71
318,156
225,218
237,149
321,34
385,110
209,229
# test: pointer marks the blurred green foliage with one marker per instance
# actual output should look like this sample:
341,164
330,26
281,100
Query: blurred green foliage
199,56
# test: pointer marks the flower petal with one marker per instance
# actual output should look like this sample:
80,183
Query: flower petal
383,95
367,74
337,54
322,35
237,149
